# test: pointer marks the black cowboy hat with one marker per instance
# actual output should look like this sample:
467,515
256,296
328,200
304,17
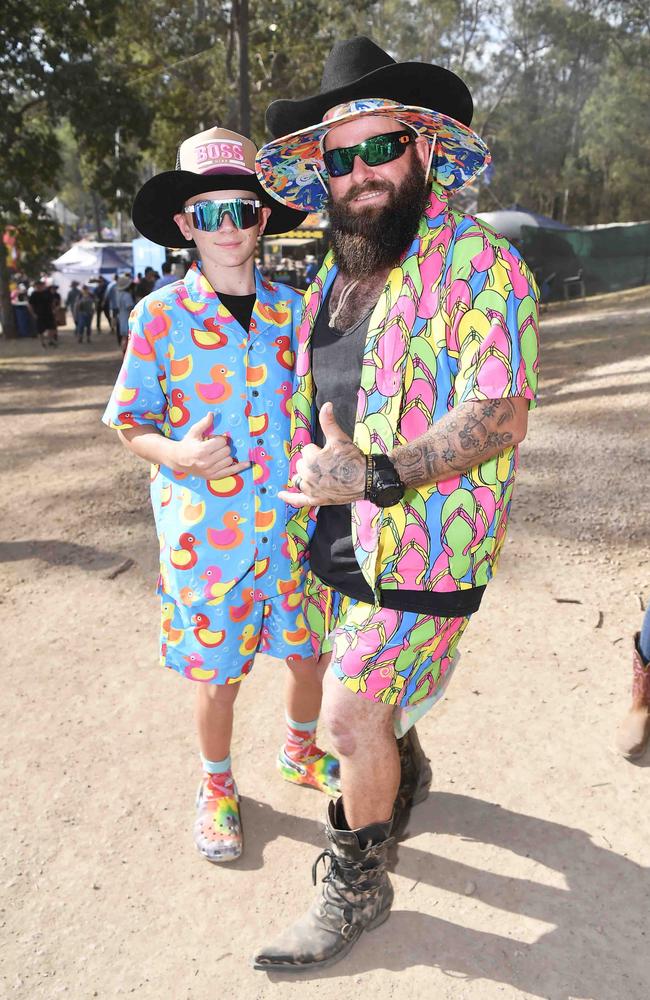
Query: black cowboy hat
359,68
163,196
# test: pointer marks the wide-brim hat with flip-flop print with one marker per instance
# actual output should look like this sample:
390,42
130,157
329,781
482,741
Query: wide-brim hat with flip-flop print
360,79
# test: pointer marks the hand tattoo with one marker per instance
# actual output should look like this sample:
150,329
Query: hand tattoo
337,474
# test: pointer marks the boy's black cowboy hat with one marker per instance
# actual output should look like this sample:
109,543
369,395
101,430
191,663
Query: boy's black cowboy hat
214,160
358,68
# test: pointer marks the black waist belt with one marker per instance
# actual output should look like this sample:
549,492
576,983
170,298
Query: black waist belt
452,604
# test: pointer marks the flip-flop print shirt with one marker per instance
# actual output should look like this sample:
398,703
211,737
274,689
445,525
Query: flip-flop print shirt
456,321
188,357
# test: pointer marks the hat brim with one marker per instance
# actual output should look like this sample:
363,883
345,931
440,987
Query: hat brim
163,196
411,83
292,167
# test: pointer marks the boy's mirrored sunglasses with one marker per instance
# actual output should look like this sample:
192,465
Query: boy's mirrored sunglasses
374,151
208,215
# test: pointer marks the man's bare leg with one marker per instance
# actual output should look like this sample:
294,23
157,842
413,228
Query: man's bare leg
356,893
364,739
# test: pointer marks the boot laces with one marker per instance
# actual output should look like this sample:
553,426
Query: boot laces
339,877
338,869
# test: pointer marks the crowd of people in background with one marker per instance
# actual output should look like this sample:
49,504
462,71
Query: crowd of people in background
40,311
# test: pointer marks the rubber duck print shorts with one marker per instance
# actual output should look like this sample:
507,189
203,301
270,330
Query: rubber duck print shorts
395,657
216,643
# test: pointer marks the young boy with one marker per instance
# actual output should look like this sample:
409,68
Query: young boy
202,395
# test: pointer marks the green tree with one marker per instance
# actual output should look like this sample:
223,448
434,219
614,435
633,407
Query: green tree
53,66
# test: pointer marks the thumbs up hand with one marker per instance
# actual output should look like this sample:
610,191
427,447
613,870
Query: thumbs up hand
334,474
200,453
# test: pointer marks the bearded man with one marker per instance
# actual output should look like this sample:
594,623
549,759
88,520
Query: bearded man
416,366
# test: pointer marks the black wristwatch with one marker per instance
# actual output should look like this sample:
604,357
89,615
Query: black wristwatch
384,487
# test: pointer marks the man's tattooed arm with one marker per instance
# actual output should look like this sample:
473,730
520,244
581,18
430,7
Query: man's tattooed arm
466,436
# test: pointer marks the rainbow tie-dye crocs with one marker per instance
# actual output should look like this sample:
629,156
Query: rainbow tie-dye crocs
217,827
315,770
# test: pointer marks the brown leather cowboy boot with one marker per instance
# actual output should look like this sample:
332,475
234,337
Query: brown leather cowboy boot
635,729
415,780
356,896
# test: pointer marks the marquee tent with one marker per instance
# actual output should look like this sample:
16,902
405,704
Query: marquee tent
87,259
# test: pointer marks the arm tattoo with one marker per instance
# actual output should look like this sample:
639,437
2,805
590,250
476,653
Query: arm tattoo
468,435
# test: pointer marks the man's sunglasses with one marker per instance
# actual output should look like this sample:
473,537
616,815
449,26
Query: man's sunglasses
374,151
208,215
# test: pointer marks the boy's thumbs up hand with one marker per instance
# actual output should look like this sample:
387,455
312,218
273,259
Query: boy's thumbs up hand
202,453
202,428
334,474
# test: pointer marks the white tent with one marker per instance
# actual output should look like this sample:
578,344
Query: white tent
508,221
61,212
87,259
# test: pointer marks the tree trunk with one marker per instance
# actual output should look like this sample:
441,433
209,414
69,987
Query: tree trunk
6,308
244,86
98,217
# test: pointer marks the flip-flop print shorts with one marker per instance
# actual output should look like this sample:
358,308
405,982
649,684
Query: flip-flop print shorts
393,657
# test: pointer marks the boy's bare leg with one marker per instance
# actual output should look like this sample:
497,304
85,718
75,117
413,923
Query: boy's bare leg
217,827
214,718
304,688
301,761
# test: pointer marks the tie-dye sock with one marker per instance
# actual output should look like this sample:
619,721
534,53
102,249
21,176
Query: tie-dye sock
300,742
221,773
302,762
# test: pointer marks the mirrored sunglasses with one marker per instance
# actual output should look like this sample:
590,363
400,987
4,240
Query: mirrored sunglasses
374,151
208,215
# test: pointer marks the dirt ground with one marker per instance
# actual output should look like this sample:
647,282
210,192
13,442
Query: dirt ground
527,872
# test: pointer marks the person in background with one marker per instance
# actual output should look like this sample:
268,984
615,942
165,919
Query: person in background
146,283
124,302
57,305
99,291
83,313
166,277
23,314
110,303
42,304
634,732
71,298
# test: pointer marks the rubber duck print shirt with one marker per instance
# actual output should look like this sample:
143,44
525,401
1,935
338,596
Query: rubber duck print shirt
187,357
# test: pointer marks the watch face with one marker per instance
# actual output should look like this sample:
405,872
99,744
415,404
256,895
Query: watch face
390,495
387,489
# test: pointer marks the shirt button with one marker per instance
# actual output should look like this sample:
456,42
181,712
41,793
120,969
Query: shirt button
262,489
260,440
265,539
255,392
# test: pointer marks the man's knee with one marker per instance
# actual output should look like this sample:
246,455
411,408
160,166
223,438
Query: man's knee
351,718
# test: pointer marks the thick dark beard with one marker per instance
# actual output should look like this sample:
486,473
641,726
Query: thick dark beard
372,240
